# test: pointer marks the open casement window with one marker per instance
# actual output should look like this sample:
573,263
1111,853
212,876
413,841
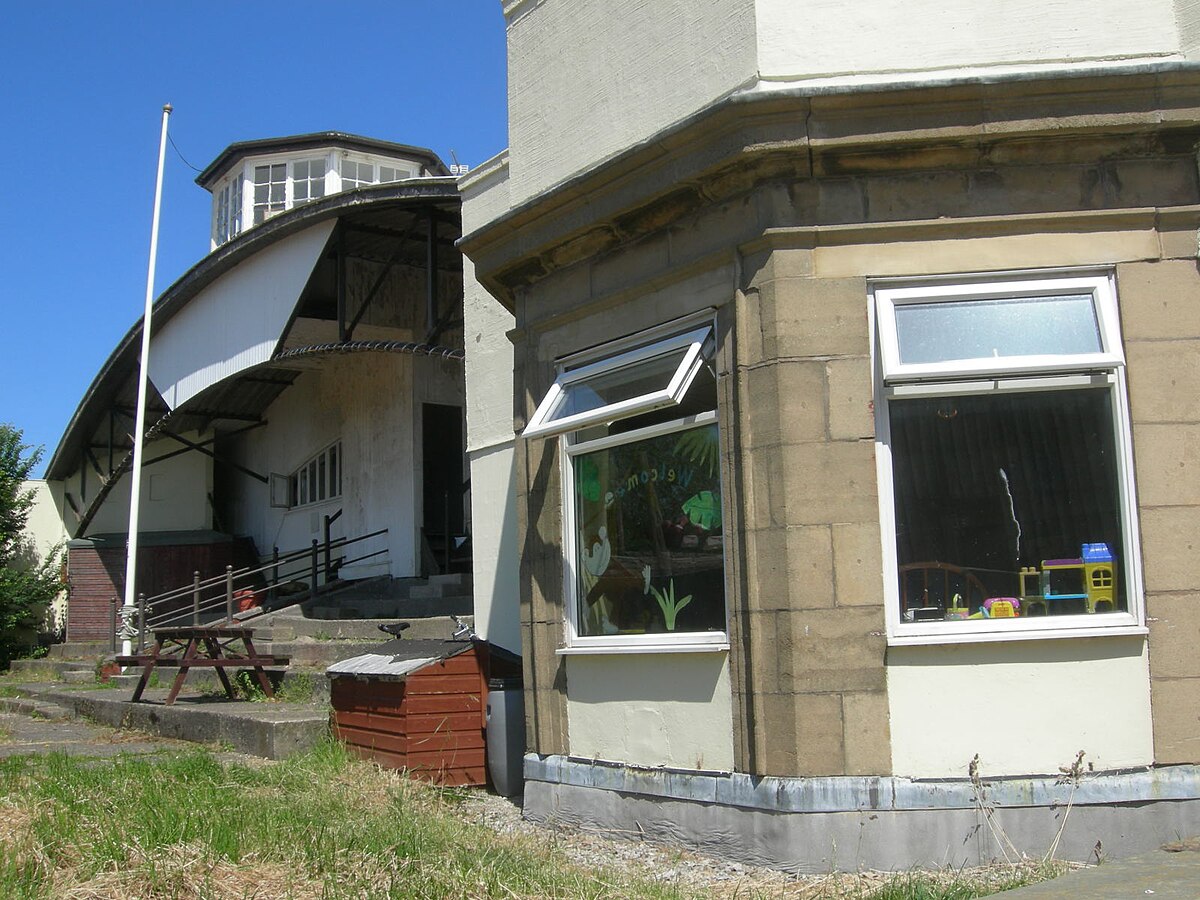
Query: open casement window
1004,460
644,549
638,380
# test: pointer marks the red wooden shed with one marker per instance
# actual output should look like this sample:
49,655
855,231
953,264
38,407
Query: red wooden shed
420,705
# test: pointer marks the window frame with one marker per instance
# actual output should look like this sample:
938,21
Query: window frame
692,341
895,381
695,332
302,491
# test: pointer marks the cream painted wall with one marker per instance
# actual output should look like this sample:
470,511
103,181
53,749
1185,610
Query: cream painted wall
668,709
589,78
45,527
366,401
821,38
489,385
236,321
174,492
1026,707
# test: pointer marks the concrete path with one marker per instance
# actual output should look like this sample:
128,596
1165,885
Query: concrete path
22,735
1165,874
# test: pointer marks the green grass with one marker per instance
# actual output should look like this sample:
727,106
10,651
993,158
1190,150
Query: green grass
320,825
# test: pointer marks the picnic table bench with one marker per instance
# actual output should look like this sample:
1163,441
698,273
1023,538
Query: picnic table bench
202,646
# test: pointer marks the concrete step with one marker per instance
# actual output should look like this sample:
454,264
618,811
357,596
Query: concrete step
291,626
395,607
79,649
37,707
304,683
52,668
271,730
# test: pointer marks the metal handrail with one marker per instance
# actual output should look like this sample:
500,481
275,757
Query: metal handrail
221,588
290,556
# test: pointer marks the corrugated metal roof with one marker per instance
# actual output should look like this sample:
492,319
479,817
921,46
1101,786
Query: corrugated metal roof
395,659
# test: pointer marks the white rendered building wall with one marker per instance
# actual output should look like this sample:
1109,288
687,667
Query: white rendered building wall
590,78
1026,707
174,492
825,38
664,709
489,383
365,401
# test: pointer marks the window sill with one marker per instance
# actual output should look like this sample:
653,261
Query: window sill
1125,626
630,649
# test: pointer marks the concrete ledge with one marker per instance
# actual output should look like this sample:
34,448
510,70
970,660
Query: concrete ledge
845,841
857,793
820,824
271,730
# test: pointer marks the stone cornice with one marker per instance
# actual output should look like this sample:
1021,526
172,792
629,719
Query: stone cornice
757,138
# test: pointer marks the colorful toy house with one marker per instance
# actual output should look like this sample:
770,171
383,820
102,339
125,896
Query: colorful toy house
1099,572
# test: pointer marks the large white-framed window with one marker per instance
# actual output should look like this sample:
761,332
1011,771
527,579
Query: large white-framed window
308,180
318,479
1004,456
270,190
643,532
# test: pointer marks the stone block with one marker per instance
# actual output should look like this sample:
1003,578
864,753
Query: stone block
774,731
1158,182
1168,464
924,195
715,230
1164,380
815,317
630,264
1175,703
851,398
868,737
749,336
1170,545
839,650
820,733
550,723
1160,300
784,402
791,568
858,564
1174,635
813,484
767,653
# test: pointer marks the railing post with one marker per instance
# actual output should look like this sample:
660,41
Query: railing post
446,529
328,520
229,594
312,591
196,597
113,622
141,623
274,575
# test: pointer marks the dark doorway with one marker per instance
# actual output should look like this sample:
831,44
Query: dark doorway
442,452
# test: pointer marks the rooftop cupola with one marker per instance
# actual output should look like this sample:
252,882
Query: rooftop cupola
251,181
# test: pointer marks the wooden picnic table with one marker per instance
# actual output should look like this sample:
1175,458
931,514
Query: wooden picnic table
202,646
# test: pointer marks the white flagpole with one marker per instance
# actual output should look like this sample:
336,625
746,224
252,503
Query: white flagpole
129,612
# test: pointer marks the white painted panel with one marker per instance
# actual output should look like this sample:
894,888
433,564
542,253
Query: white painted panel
830,37
366,401
181,483
652,710
1025,708
236,321
489,365
496,561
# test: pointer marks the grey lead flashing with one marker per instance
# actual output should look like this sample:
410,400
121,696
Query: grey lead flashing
885,793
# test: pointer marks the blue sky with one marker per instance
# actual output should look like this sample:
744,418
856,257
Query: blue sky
84,84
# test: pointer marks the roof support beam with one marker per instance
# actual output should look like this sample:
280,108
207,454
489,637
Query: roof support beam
379,279
164,457
431,285
216,458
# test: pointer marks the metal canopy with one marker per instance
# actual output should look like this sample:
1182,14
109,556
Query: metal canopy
412,224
